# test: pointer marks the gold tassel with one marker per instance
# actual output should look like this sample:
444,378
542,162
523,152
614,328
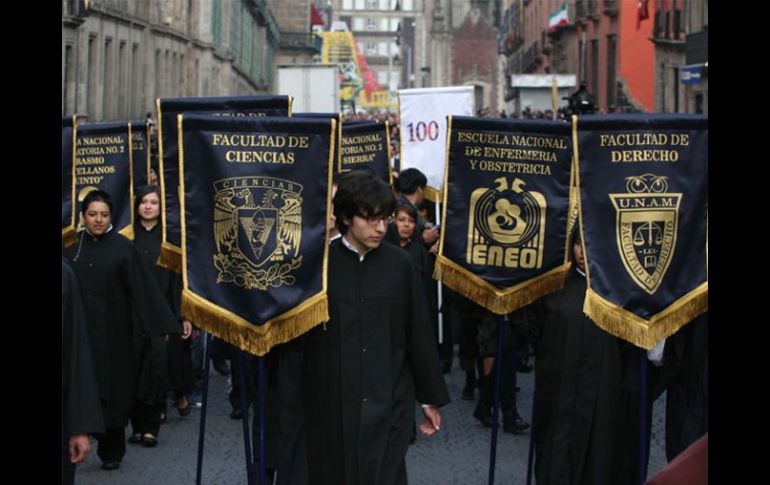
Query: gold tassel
170,258
646,333
68,236
128,231
500,302
254,339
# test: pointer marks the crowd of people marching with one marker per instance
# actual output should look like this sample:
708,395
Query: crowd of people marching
130,357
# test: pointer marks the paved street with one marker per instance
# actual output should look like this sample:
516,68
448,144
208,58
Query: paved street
458,454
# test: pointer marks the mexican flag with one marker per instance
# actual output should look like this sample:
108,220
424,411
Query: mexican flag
558,18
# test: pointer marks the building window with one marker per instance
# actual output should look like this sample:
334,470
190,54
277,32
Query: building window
407,5
595,68
347,4
358,24
108,81
92,77
359,4
216,21
371,4
136,82
611,63
122,77
371,49
371,24
68,68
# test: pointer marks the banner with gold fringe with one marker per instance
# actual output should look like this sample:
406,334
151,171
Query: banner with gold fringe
103,160
506,198
643,208
255,201
365,144
68,209
168,172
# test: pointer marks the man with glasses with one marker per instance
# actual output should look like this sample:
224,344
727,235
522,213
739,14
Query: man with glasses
366,366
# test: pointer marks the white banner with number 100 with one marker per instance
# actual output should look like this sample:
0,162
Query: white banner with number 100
423,127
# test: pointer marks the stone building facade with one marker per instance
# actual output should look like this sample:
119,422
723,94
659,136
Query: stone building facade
118,56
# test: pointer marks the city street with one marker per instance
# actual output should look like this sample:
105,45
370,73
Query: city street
457,454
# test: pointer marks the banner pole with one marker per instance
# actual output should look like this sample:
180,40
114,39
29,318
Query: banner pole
496,412
202,425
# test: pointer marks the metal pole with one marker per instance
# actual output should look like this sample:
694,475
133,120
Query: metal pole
202,425
440,313
496,412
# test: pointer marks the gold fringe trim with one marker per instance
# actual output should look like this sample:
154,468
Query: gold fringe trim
68,236
128,231
500,302
646,333
254,339
434,195
170,257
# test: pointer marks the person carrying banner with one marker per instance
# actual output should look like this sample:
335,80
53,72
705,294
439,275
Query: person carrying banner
364,368
81,409
122,303
577,376
165,365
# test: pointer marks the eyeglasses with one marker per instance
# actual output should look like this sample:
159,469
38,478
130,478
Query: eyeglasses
375,220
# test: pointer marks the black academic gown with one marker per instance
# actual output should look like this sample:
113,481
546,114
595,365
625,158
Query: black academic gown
177,372
577,379
123,303
365,367
81,407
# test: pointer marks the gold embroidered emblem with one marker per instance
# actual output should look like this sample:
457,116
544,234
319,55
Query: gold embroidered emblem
646,223
506,226
257,228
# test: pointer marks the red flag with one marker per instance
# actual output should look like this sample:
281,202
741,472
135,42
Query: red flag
641,12
315,16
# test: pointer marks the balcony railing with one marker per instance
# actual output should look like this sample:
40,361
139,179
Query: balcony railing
611,8
301,41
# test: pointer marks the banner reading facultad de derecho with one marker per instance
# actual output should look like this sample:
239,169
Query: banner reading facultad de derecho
254,212
365,144
103,161
506,198
68,209
643,183
168,108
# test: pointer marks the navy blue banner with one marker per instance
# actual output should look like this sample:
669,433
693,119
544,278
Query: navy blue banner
254,211
140,137
365,145
103,161
643,182
506,198
68,211
168,108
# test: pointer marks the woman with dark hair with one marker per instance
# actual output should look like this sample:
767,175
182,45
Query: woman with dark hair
577,390
123,303
164,365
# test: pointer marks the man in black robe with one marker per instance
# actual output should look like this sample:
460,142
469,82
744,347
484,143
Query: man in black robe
123,304
364,368
577,387
81,409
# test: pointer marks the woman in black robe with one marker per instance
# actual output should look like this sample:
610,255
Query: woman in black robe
164,364
122,303
577,386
